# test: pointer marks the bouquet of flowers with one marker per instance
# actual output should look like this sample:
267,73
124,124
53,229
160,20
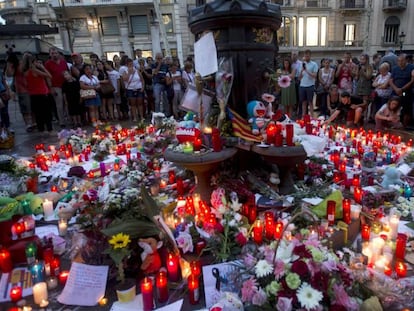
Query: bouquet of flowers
298,274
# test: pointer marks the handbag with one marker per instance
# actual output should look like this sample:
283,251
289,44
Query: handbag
87,94
320,89
107,89
5,96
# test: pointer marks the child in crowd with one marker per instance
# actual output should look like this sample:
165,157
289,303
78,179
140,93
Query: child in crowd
389,115
70,90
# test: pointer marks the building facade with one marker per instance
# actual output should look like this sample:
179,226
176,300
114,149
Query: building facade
106,27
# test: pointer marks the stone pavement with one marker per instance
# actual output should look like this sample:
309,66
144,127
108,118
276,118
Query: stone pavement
24,142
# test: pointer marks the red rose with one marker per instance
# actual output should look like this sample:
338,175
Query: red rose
336,307
241,239
219,228
302,251
300,267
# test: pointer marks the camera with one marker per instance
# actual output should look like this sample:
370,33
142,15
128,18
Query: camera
304,65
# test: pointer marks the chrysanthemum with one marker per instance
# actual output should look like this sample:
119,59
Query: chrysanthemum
119,240
263,268
308,297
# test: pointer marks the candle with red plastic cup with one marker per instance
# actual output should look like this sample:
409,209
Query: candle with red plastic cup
401,269
18,228
258,232
388,270
271,131
55,266
63,277
6,264
216,140
197,144
330,212
194,289
289,134
180,186
91,174
173,267
269,225
278,140
147,294
161,282
278,230
346,211
16,293
252,213
358,194
400,246
365,232
54,188
342,167
171,176
195,267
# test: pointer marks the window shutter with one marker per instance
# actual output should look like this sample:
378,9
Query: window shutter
139,24
109,26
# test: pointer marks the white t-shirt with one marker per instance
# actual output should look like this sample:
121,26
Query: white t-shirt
114,76
93,81
176,84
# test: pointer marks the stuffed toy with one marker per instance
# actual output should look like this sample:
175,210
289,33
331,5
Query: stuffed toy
151,260
258,116
189,120
391,177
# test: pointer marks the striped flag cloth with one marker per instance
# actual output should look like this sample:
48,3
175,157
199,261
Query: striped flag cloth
242,128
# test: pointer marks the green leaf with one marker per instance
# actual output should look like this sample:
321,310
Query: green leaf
135,228
150,206
410,225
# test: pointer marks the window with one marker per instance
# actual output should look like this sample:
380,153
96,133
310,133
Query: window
349,34
312,4
391,29
109,26
312,31
168,22
139,24
285,32
80,27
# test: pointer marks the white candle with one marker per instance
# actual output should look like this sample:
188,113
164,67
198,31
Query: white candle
380,264
52,282
355,211
40,293
71,161
48,208
394,222
62,227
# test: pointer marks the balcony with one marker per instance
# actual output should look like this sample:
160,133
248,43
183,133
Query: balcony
301,3
80,3
352,5
345,44
15,7
394,5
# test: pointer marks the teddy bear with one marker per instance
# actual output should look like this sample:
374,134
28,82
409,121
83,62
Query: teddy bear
151,260
391,177
257,113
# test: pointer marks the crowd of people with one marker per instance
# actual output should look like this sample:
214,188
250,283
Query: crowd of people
74,93
353,90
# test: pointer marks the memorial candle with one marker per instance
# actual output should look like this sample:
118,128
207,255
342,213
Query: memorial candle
63,277
346,211
278,230
31,252
197,144
330,212
269,225
365,232
62,226
394,223
289,134
47,208
193,289
358,194
6,264
16,293
172,267
400,246
195,267
401,269
147,294
162,286
40,293
258,232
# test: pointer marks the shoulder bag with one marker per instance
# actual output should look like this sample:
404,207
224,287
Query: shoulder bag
87,94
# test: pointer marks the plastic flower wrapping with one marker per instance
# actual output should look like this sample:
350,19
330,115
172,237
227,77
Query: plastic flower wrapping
298,274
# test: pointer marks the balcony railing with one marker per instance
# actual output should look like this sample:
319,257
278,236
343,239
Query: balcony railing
345,44
389,5
352,4
72,3
301,3
15,4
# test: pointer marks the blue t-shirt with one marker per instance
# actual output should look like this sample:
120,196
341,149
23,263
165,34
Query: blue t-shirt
307,80
2,87
401,77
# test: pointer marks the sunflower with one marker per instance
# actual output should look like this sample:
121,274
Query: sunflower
119,240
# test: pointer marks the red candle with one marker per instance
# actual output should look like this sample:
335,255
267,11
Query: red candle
289,134
388,270
346,211
55,266
278,140
200,245
330,212
258,232
147,294
365,232
216,140
162,286
193,289
16,293
171,176
63,277
271,132
6,264
180,186
54,188
269,225
18,228
195,267
91,174
116,167
278,230
400,246
358,194
342,167
173,267
401,269
252,213
197,144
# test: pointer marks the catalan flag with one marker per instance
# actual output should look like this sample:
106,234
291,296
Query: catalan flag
241,127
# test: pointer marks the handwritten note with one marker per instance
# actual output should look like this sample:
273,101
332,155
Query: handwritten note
205,55
85,285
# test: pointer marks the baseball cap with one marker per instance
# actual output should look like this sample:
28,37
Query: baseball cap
74,54
345,94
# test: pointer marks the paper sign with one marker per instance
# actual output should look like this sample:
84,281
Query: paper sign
205,55
85,285
18,277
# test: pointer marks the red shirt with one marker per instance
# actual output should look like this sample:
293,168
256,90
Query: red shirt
36,85
56,70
